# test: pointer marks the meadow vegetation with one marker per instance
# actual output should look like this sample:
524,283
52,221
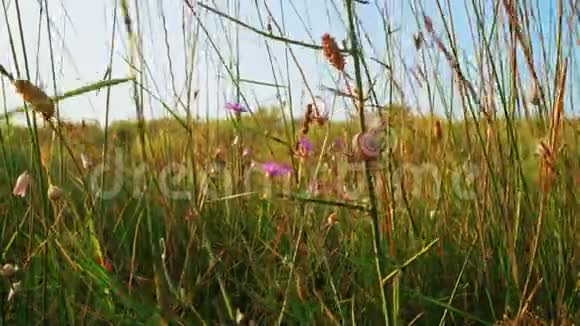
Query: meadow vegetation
286,215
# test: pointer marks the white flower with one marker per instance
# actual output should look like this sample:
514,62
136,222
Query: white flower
239,316
22,184
14,288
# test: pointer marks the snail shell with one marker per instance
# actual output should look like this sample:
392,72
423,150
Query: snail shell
366,147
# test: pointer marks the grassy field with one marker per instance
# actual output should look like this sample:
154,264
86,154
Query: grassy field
284,215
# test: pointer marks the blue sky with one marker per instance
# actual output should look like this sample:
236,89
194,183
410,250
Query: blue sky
82,32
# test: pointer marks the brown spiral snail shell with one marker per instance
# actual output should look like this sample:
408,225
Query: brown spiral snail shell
366,147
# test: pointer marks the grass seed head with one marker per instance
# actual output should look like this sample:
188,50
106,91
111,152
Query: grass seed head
437,130
418,40
332,52
36,97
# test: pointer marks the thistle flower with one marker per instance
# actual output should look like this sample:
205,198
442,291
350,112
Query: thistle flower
274,169
54,192
22,184
337,145
306,144
305,147
332,52
236,108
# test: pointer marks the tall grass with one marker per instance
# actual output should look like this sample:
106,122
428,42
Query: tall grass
460,212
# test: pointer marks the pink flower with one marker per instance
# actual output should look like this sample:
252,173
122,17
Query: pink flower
22,184
306,145
274,169
338,145
236,107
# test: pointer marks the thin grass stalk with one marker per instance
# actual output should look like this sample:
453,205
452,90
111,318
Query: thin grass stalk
62,163
260,32
104,153
138,99
290,136
547,174
33,132
225,66
7,163
287,126
356,53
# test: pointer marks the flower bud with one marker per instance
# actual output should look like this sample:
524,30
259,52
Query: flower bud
54,193
8,270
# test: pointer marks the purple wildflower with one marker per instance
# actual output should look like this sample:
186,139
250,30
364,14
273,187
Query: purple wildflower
236,107
338,145
274,169
306,145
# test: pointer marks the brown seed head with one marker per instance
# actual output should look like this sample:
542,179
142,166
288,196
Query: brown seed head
418,40
428,23
308,118
437,130
36,97
332,52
